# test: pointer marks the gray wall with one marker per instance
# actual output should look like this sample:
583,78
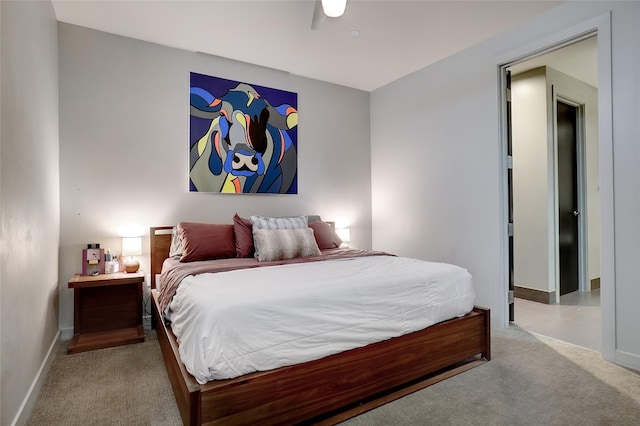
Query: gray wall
29,199
124,123
436,172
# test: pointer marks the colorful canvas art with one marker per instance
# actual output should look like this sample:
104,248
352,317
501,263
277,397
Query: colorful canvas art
243,138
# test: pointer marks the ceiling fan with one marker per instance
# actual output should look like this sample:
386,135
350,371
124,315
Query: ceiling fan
326,8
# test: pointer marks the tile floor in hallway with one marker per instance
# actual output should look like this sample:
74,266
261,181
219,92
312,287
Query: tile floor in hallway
576,319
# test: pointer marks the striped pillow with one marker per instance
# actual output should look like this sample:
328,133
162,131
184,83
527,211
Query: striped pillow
175,250
262,222
293,222
279,244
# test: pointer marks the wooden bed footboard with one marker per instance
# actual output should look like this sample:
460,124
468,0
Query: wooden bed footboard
333,388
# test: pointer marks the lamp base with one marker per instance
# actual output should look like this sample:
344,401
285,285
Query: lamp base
131,265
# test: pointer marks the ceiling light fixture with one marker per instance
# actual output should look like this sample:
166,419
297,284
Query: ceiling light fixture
334,8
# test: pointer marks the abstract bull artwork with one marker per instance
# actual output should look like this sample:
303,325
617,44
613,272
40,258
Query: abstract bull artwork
242,138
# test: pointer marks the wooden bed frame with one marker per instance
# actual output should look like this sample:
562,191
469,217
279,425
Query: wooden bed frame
328,390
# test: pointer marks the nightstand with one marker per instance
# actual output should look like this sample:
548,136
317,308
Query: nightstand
107,311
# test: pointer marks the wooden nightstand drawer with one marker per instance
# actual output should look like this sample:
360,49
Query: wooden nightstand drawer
107,311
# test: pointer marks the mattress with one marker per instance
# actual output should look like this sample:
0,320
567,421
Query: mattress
237,322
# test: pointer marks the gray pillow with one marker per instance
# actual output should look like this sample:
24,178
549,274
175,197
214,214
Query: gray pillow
292,222
263,222
279,244
175,250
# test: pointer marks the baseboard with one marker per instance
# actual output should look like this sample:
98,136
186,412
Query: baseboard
595,284
546,297
26,408
628,360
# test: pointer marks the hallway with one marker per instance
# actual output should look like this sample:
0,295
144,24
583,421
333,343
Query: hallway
576,319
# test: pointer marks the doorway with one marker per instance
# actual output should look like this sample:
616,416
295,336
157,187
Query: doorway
556,248
569,241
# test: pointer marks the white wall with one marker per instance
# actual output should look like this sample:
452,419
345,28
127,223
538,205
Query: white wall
533,175
29,201
124,123
435,169
626,177
436,162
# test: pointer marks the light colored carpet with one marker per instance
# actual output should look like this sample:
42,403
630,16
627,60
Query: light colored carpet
531,380
125,385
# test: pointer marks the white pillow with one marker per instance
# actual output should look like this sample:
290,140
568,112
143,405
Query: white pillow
293,222
175,250
262,222
279,244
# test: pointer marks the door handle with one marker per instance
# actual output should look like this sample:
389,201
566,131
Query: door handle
576,212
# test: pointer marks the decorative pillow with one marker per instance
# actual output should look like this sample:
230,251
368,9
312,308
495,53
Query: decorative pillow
325,235
279,244
293,222
176,245
313,218
262,222
204,241
244,238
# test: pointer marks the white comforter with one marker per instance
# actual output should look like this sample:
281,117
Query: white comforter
233,323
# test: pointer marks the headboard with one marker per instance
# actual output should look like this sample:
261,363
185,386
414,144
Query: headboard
160,241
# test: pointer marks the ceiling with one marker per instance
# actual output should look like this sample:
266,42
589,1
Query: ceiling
395,37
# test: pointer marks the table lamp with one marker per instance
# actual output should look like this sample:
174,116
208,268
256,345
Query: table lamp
344,234
131,246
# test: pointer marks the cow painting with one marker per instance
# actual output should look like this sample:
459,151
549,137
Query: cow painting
243,138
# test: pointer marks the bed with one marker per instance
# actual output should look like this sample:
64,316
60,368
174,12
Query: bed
325,390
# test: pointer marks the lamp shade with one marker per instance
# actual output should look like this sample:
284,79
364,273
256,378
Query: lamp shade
334,8
344,234
132,246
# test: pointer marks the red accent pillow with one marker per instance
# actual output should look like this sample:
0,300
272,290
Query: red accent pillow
243,231
204,241
326,236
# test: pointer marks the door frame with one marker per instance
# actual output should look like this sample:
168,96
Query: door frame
601,26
